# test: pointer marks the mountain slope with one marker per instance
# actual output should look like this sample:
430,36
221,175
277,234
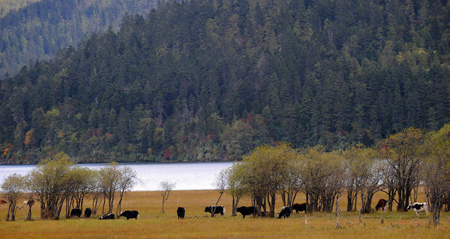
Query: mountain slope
207,81
7,5
38,30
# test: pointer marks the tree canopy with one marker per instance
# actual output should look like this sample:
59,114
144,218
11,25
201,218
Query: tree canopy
212,80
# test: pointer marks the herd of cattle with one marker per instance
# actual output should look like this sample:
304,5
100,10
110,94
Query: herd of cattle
245,211
87,213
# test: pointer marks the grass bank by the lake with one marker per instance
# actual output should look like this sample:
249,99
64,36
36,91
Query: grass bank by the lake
198,224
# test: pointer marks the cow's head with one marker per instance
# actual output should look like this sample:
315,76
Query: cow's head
207,209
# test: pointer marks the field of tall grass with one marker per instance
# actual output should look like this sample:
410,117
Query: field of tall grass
198,224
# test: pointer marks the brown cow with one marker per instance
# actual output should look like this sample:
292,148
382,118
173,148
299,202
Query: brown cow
381,204
3,201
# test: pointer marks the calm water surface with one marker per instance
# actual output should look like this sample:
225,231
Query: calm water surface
186,176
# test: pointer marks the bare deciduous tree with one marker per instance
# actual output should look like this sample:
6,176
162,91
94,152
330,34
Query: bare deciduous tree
166,187
109,182
235,185
221,184
127,180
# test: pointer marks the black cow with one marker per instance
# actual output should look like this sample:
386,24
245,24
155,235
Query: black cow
381,204
180,212
87,212
418,207
299,207
107,216
75,212
219,209
285,212
130,214
246,211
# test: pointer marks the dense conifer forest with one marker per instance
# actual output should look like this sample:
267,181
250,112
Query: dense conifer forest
211,80
35,31
8,5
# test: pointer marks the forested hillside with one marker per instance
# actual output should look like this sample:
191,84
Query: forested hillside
37,31
210,80
8,5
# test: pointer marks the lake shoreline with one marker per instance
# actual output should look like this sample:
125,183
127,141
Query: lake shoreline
185,175
134,163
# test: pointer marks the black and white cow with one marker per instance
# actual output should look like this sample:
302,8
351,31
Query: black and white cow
75,212
246,211
418,207
107,216
299,207
219,209
130,214
285,212
181,212
87,212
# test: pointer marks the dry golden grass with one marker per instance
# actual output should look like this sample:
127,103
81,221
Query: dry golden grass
197,224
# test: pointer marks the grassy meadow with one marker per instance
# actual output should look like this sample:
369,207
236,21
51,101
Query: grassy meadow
197,224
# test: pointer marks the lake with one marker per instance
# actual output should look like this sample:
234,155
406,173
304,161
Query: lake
186,176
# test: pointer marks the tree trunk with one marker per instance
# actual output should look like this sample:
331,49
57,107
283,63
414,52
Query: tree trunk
29,212
349,200
337,211
363,198
119,207
104,202
214,210
9,210
235,205
13,212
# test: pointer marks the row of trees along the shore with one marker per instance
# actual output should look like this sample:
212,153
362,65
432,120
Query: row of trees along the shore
58,181
398,166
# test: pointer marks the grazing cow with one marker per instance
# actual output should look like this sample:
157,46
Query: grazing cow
28,203
285,212
418,207
130,214
87,212
180,212
3,201
107,216
75,212
381,204
246,211
299,207
219,209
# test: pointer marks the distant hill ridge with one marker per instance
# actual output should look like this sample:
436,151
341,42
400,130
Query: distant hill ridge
37,31
7,5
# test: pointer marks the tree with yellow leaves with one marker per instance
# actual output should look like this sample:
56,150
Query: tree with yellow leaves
266,173
404,159
436,168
